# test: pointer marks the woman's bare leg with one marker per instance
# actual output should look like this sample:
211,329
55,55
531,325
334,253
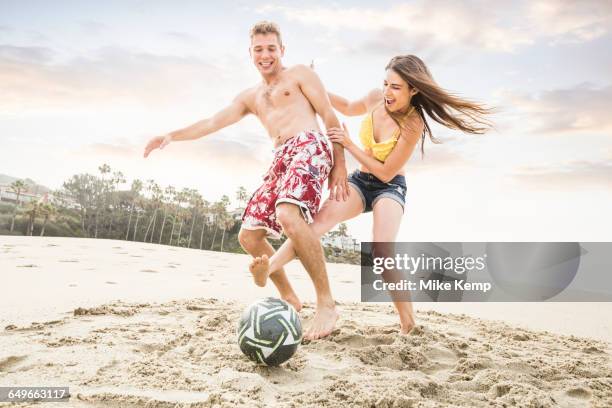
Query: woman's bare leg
387,218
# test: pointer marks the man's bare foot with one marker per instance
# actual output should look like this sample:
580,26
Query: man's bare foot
323,323
260,268
293,300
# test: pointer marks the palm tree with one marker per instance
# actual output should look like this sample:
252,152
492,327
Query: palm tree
216,213
104,169
241,196
180,197
32,211
152,189
140,203
169,193
227,223
101,193
48,211
187,197
205,214
196,201
17,187
220,212
114,184
135,191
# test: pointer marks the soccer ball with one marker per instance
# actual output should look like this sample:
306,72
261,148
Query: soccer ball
269,331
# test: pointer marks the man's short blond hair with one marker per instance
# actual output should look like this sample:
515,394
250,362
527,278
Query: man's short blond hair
266,27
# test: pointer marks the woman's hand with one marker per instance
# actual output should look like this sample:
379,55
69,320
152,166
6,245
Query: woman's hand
341,136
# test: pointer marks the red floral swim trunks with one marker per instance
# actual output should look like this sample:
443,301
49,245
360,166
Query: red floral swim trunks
297,174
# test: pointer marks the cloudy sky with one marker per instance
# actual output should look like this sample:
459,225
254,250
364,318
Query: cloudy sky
84,83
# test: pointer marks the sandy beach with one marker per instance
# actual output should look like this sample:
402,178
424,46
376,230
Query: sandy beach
128,324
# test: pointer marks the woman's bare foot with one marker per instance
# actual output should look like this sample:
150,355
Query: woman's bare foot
260,268
407,326
323,322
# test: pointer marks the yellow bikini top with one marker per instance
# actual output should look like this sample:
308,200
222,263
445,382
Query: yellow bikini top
380,150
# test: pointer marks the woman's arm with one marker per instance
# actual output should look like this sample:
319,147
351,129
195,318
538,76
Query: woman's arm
394,162
358,107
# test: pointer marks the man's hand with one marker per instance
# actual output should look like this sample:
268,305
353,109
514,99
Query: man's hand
158,142
338,182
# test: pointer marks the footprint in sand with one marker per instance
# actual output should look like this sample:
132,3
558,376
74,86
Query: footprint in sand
110,283
27,266
149,271
347,281
392,356
473,364
11,361
72,285
102,370
69,260
439,359
356,340
149,348
579,392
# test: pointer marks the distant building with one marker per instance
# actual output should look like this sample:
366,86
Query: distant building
61,201
343,243
237,213
7,194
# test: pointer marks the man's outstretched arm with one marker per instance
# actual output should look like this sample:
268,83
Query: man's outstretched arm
225,117
313,89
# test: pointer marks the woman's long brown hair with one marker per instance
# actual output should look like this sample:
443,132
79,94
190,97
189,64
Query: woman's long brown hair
440,105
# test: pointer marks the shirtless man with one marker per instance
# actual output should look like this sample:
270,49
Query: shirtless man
286,102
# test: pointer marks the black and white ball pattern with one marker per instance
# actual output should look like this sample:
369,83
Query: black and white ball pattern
269,331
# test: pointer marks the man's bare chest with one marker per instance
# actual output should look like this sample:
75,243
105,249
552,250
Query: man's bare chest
278,95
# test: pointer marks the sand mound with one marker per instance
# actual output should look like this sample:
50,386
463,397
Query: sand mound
183,354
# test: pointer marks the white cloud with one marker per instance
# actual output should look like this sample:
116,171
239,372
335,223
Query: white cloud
571,20
420,26
32,79
570,175
446,24
579,109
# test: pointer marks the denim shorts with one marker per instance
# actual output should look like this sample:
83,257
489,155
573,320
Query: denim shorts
371,189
